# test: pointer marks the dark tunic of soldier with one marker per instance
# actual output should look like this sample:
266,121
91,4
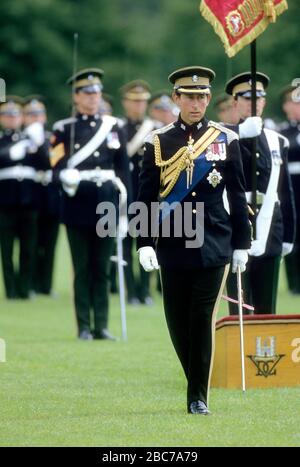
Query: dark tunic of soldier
136,126
291,130
275,218
87,172
20,177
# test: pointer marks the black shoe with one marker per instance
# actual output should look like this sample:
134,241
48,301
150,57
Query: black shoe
198,407
85,335
104,334
133,301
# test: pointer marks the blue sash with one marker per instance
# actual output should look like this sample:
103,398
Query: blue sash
180,191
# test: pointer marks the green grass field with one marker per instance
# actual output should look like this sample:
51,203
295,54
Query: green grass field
58,391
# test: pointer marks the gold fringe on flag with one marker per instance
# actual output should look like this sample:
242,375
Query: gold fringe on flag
270,11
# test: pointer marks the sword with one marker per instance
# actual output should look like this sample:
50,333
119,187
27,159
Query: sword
240,305
119,258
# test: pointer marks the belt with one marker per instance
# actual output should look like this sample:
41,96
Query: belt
23,172
260,197
18,172
294,168
97,176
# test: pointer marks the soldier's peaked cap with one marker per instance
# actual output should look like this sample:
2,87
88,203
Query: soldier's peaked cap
137,90
192,80
87,80
12,106
34,104
240,85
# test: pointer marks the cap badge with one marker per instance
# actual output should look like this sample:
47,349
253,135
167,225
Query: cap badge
90,77
195,78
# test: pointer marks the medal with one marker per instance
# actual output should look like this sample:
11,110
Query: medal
216,152
214,178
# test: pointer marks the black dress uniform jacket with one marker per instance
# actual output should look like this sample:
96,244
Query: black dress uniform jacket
223,232
282,227
111,154
22,193
291,130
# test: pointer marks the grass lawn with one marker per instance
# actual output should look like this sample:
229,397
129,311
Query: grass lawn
58,391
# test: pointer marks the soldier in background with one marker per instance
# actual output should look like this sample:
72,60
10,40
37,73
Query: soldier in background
135,97
226,111
89,156
19,183
291,130
162,108
275,221
106,104
49,203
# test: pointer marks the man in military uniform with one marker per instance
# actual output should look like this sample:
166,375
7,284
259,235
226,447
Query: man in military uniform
275,216
291,130
162,108
191,162
89,158
19,181
135,97
34,111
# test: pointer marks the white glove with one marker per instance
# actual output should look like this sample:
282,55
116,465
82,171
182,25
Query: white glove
251,127
36,133
70,179
18,151
257,248
147,258
239,258
287,248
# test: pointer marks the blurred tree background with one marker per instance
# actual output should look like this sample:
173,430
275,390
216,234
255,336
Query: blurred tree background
130,39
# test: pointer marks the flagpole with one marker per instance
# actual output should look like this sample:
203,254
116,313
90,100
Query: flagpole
254,140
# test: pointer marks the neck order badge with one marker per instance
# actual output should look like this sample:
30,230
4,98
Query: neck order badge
239,22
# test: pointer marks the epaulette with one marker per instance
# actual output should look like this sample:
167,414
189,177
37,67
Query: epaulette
60,124
283,126
150,138
231,135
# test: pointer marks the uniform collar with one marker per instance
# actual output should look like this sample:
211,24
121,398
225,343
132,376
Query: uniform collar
191,128
86,117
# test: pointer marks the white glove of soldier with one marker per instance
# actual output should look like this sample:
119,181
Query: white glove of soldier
239,258
70,179
251,127
19,150
258,248
36,133
287,248
147,258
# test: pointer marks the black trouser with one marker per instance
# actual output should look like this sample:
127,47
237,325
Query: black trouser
141,288
91,261
47,233
190,303
292,265
18,224
259,284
